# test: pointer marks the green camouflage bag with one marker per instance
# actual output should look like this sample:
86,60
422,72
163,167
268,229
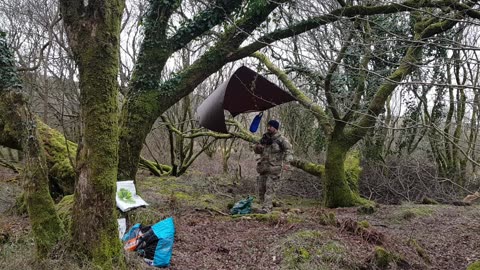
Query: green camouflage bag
242,207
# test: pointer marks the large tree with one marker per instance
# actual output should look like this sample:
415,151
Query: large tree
344,131
93,30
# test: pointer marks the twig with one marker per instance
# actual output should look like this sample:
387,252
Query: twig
209,210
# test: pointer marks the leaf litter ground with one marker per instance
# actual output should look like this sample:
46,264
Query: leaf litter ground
446,237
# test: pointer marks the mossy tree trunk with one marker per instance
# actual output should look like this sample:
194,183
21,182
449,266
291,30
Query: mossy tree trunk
46,225
19,128
338,193
94,36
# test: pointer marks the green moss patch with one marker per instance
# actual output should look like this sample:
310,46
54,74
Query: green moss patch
383,258
312,249
145,216
64,211
367,209
271,218
369,234
410,211
474,266
353,169
364,224
170,193
328,218
420,251
427,200
59,153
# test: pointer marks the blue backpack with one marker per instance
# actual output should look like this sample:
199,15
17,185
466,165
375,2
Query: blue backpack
156,243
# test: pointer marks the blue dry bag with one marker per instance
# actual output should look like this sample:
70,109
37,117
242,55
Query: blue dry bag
165,232
256,122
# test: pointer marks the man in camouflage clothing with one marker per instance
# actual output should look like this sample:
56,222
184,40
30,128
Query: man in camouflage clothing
275,154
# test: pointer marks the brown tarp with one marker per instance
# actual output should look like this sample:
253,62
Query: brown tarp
244,91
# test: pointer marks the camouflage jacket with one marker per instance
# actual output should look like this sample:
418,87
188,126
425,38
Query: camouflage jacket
274,150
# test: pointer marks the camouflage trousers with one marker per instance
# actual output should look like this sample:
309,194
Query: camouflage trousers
267,187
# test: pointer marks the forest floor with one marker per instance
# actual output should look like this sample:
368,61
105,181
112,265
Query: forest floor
299,234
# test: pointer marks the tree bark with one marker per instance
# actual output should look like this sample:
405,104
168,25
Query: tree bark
94,36
337,190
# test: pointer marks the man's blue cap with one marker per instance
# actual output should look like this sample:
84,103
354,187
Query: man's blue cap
274,123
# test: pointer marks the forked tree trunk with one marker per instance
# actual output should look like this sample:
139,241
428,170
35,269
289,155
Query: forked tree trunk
337,189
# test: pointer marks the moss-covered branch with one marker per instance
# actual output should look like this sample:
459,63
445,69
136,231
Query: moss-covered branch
60,153
187,159
155,168
58,156
185,81
72,11
309,167
156,48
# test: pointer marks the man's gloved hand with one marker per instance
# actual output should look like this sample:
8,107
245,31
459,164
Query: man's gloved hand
258,149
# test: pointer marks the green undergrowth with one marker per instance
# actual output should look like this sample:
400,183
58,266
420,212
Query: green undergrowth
313,249
420,250
170,193
384,258
64,211
19,253
409,211
364,224
272,218
328,218
367,209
